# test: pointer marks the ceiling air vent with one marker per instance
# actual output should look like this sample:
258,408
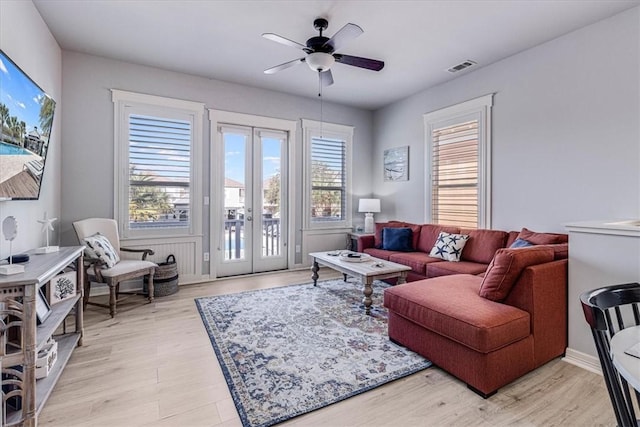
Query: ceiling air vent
461,66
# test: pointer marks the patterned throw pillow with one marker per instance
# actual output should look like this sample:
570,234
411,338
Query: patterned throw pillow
98,246
449,246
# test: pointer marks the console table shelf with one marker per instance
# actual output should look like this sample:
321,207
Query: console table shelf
18,295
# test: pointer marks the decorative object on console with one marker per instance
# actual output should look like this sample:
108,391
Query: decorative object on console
46,358
369,206
43,310
10,231
47,225
62,287
396,164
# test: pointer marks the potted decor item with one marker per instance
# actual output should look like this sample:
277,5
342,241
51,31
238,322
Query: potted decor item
165,281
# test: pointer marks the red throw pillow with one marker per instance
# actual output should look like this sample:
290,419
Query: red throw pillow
506,266
539,238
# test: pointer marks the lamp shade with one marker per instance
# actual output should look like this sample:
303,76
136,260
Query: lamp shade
369,205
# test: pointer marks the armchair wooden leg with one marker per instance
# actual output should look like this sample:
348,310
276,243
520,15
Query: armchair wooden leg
150,286
112,299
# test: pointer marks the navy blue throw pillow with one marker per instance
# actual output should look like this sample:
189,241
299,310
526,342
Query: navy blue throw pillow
521,243
397,239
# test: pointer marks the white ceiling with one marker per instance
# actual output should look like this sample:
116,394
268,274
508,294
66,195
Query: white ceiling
418,40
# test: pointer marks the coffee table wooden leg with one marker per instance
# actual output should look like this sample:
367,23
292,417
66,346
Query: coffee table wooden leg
402,279
368,290
315,269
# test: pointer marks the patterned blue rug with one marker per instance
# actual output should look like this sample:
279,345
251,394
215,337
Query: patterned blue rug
291,350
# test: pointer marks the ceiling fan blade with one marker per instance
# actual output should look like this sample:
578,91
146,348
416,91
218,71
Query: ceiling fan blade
356,61
326,78
343,36
279,39
284,66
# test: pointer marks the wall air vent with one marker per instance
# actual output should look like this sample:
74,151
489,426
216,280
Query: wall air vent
461,66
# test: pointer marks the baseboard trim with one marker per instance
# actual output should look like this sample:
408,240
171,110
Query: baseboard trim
583,360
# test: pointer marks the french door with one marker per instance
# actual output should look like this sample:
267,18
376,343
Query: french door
253,226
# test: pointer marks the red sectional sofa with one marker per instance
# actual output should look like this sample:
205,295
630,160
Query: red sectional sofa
487,319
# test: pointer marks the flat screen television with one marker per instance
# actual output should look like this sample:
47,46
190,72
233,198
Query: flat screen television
26,117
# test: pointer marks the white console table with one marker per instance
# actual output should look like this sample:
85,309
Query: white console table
18,294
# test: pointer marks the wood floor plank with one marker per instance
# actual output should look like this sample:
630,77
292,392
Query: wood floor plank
153,365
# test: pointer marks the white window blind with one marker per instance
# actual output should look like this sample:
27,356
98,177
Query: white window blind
454,182
328,182
159,172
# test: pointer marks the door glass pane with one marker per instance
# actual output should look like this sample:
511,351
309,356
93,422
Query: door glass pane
271,196
235,150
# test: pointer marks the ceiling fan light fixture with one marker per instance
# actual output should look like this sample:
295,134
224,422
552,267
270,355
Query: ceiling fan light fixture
320,61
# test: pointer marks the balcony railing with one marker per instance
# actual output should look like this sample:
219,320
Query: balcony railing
234,238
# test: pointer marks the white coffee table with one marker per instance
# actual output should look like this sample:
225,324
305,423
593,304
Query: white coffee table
366,269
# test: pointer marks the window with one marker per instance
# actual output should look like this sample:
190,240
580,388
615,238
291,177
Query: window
328,176
458,158
157,140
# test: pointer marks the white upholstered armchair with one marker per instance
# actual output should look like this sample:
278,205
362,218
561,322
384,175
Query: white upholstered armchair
102,260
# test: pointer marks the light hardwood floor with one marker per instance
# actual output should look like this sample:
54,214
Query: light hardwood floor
153,365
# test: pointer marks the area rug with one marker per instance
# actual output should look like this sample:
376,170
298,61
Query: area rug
291,350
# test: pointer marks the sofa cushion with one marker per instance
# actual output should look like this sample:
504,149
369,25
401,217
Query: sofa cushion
540,238
445,268
449,246
451,306
418,261
483,244
397,239
506,266
429,233
380,253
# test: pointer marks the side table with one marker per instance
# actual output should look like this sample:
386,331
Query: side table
353,239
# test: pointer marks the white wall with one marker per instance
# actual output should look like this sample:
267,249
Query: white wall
87,176
566,136
26,39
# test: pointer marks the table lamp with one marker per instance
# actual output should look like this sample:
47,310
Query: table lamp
369,206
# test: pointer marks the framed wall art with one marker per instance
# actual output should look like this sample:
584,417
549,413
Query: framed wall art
396,164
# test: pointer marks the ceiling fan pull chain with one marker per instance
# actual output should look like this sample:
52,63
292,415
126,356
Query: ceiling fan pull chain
320,96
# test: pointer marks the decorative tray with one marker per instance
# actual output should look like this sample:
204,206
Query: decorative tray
354,257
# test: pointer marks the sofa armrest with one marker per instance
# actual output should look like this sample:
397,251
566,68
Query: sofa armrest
541,290
365,242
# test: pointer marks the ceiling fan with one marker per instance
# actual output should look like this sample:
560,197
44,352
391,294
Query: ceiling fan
321,51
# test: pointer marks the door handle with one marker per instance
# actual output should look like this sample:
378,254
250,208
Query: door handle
249,218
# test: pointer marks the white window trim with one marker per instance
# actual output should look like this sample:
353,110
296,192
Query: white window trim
329,130
480,108
122,99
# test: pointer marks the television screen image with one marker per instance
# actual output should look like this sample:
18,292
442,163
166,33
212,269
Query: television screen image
26,117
